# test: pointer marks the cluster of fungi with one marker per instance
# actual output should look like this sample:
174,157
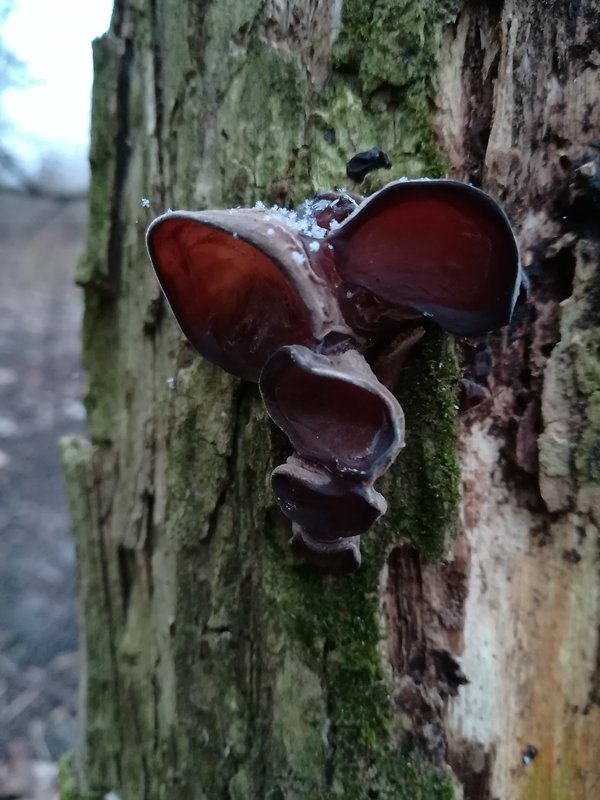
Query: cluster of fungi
300,301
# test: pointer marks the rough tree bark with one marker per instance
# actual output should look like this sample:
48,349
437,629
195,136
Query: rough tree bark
217,666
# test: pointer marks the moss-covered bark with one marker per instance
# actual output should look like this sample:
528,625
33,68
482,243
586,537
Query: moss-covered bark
216,666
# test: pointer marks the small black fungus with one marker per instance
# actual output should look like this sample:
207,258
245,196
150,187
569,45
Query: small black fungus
361,164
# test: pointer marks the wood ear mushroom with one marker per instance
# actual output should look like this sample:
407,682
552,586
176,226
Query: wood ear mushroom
294,300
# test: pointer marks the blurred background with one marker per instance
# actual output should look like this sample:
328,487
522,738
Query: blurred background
45,87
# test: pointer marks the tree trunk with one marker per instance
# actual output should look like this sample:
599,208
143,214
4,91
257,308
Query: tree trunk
217,666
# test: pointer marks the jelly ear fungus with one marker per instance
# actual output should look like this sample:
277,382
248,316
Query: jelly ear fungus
437,249
294,300
346,429
241,285
333,410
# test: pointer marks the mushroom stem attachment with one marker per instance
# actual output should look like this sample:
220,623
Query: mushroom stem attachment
339,557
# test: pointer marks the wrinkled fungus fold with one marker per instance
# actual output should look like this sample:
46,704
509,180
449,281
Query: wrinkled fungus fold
333,409
324,503
294,300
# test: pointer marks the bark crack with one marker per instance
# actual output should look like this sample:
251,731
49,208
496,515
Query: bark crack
158,97
122,154
425,612
110,614
230,463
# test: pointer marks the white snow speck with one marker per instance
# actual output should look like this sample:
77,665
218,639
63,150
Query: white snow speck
297,258
314,247
171,382
145,203
270,232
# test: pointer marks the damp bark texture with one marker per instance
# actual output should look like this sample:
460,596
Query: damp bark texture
218,666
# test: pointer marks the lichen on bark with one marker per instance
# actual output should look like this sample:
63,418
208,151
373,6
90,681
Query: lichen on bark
570,451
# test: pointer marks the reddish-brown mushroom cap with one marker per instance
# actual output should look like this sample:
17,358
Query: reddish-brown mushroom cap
324,503
241,285
333,409
441,248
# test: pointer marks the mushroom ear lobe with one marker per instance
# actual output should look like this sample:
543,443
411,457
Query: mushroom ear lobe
231,300
333,410
442,248
324,503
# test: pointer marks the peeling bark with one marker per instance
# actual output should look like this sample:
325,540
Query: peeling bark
519,119
217,666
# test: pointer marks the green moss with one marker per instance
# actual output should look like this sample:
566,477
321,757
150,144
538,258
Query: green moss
422,488
378,93
67,781
336,622
100,358
393,41
381,90
67,786
299,709
335,626
263,118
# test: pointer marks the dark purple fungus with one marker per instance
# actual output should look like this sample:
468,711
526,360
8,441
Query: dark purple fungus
241,285
327,504
359,166
331,208
338,557
333,409
293,299
439,249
